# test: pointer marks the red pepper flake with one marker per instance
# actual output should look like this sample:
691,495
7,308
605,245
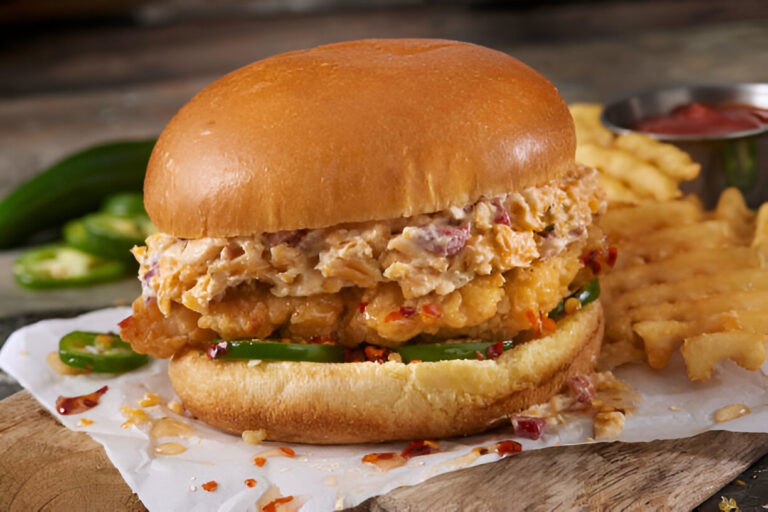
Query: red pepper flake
430,313
354,355
250,482
361,307
479,355
502,217
210,486
596,258
581,388
529,427
376,354
419,448
216,350
325,339
76,404
495,350
272,505
259,461
508,447
287,451
400,314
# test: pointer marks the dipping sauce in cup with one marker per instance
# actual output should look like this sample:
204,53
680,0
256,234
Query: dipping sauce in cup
722,127
703,119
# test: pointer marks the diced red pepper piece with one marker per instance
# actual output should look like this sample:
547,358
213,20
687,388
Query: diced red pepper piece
529,427
581,388
502,217
495,350
217,350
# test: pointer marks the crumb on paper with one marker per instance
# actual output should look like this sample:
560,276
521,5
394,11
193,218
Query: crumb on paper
731,412
331,481
175,406
674,408
339,502
728,505
588,439
133,416
149,400
608,424
192,488
254,436
84,422
23,353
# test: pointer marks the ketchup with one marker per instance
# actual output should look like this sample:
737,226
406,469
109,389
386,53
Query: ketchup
77,404
701,119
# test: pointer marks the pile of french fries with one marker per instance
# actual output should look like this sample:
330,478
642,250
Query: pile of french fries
684,277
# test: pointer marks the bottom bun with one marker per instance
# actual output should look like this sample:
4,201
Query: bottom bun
329,403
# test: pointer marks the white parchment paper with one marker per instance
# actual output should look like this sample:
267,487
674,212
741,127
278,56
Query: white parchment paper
329,477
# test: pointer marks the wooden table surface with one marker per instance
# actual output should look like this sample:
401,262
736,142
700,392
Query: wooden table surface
66,89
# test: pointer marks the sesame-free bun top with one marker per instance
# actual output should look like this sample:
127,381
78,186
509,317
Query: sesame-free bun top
355,131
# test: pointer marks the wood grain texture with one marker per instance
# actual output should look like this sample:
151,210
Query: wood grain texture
47,467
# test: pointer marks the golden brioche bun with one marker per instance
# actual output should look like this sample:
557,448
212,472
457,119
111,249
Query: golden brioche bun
328,403
355,131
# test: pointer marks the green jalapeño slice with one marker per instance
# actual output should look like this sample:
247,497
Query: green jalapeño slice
586,294
431,352
99,352
58,266
276,350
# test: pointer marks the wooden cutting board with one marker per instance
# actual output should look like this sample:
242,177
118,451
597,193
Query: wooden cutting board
47,467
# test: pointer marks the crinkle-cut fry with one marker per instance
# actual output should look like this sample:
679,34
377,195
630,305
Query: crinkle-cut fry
620,326
589,129
643,178
628,222
753,300
703,352
661,338
613,355
732,208
761,227
672,161
616,191
693,288
678,267
667,242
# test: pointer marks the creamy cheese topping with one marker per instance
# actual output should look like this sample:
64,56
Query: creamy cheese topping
430,253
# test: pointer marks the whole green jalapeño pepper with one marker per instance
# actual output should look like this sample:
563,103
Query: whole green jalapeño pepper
99,353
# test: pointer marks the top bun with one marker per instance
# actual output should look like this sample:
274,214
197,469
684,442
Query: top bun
356,131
